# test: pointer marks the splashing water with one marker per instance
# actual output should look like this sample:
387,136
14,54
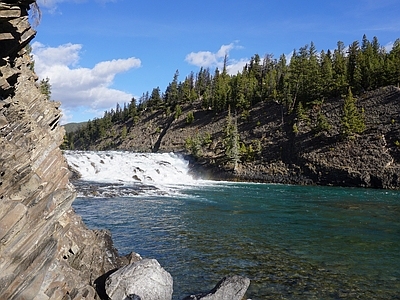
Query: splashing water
123,173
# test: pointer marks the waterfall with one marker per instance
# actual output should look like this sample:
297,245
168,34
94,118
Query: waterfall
123,173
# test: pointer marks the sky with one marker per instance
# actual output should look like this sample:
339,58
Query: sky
97,53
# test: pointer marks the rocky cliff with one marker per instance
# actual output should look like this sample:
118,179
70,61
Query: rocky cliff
46,252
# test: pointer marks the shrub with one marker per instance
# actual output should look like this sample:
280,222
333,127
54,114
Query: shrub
322,123
295,129
178,112
245,115
207,140
193,146
124,132
190,117
301,112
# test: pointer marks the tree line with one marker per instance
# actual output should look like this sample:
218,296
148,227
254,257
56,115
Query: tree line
307,78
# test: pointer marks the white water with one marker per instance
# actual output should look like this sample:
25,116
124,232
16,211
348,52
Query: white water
133,173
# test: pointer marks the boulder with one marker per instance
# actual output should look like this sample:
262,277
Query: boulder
229,288
144,279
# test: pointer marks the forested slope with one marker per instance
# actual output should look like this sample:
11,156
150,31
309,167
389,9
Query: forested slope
320,118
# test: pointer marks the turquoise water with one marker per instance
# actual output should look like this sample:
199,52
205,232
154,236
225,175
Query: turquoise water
293,242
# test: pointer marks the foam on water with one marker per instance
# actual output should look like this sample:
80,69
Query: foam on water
137,173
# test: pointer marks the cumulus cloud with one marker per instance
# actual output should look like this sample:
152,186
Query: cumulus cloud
202,59
208,59
76,86
235,66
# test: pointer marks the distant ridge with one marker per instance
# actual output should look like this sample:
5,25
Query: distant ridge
72,127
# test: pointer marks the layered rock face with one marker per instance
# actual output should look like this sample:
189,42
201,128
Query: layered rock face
46,252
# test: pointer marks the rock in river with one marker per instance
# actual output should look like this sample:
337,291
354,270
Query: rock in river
144,279
229,288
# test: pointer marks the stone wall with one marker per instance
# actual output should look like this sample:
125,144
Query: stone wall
46,252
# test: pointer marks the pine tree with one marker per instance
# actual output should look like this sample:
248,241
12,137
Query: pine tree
339,70
237,96
232,149
132,109
326,73
185,91
313,84
203,82
250,85
220,89
352,120
282,84
172,92
155,98
372,63
353,66
269,78
256,74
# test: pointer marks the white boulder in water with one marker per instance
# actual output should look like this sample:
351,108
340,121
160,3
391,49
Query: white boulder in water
144,279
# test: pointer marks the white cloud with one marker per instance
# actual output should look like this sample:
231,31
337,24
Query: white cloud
224,50
78,87
208,59
388,47
51,5
236,66
67,54
202,59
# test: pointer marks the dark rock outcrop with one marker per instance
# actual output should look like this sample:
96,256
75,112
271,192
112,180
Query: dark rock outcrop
46,252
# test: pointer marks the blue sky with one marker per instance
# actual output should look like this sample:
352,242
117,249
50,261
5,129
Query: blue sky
97,53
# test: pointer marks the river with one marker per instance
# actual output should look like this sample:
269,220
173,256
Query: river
292,242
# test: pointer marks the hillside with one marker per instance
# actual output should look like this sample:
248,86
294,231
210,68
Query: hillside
71,127
274,145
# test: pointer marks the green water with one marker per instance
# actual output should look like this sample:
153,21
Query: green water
293,242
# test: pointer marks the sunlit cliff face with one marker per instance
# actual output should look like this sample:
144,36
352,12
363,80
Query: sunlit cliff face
43,244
